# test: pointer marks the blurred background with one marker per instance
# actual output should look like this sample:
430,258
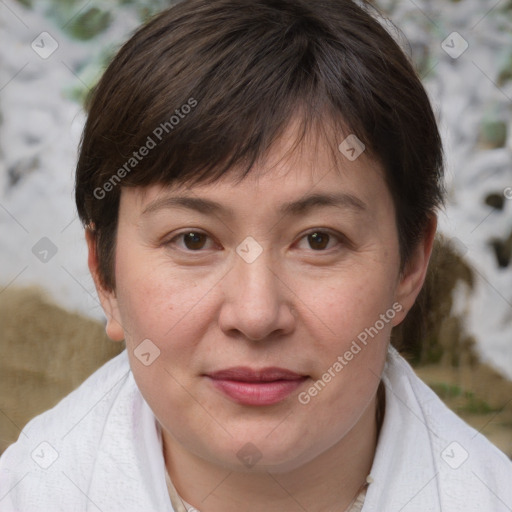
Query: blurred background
458,337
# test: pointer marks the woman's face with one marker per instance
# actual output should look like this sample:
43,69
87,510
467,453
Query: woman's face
287,279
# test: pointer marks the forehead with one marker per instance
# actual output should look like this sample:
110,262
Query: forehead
320,162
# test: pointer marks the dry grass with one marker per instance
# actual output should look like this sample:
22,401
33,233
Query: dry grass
46,353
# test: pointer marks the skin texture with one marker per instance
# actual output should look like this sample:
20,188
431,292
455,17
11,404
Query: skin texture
298,305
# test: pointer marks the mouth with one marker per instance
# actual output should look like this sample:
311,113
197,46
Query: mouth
248,386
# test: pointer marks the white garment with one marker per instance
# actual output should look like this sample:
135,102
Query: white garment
100,449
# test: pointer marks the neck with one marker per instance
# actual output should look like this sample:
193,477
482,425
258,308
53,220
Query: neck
331,481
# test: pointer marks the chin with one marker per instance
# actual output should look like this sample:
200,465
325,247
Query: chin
264,455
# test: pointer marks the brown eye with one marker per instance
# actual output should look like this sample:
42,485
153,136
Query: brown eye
194,240
318,240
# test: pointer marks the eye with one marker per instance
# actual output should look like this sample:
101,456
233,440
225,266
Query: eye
191,240
321,240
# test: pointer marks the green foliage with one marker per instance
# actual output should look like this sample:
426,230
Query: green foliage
505,74
476,406
446,391
430,351
90,75
468,402
147,9
493,133
86,21
89,24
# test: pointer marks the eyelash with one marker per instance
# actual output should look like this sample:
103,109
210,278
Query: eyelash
332,234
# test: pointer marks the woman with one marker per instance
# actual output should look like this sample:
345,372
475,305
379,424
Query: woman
259,183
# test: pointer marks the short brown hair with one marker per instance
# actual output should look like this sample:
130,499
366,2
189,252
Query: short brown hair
244,69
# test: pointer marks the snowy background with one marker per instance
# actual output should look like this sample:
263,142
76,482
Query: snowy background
53,51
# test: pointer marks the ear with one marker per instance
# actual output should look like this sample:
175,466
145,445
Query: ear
107,298
413,275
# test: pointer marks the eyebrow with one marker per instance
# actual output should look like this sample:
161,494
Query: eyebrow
292,208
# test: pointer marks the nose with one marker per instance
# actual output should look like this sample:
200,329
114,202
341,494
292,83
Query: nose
257,301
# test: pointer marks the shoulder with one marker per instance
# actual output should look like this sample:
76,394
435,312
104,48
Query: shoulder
439,417
82,404
469,469
59,446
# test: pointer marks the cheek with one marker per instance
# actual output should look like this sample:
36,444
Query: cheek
349,324
155,301
170,309
348,303
165,309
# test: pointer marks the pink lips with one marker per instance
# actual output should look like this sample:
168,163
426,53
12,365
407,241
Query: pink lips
248,386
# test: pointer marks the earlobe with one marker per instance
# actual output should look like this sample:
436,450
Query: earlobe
413,276
108,299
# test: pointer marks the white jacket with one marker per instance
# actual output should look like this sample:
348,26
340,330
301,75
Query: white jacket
100,449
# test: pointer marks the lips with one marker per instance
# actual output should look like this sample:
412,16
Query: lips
250,386
245,374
